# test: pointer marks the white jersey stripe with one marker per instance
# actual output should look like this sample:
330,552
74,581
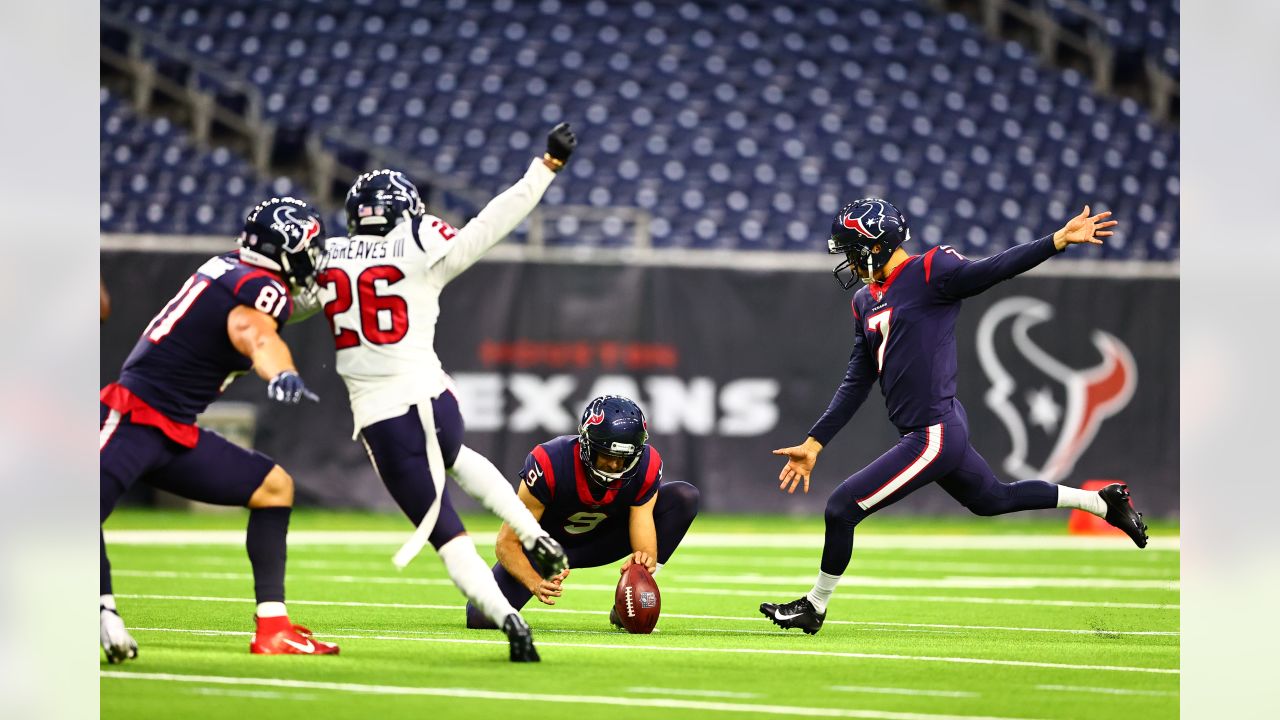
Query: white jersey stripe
932,448
108,429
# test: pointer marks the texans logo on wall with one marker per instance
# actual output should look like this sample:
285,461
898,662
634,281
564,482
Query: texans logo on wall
1051,410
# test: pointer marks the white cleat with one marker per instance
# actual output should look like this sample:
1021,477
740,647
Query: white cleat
120,646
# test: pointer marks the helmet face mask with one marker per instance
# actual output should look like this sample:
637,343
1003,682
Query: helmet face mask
867,232
380,200
286,235
612,437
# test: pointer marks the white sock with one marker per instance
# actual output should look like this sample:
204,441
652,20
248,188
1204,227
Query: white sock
822,589
656,568
108,602
1088,500
481,480
474,578
271,609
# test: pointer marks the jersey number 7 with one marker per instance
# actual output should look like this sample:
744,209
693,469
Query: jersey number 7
384,319
879,323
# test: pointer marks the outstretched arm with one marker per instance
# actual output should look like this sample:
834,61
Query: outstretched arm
853,390
254,334
509,209
971,278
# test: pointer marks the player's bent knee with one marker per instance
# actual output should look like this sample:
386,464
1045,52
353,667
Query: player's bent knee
843,509
276,490
686,496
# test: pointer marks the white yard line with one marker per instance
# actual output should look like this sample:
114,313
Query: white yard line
808,561
1106,691
257,694
694,649
719,592
602,613
393,539
904,691
525,698
955,581
694,693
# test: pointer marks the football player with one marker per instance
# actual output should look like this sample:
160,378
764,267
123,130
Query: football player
381,294
904,337
601,495
223,323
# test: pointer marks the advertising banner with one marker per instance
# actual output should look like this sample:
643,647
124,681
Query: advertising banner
1064,378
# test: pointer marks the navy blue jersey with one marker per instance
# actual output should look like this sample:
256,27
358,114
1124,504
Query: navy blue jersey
904,334
185,358
575,504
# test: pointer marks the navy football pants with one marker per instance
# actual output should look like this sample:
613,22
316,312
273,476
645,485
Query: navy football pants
215,471
673,513
939,453
398,449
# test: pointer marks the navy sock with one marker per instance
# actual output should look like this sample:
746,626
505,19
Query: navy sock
265,541
842,516
104,579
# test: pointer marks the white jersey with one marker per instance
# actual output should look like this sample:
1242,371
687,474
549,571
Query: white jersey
382,296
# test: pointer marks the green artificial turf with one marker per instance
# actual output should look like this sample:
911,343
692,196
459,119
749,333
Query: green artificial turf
909,632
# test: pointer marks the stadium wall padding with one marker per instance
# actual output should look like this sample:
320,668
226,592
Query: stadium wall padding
1066,377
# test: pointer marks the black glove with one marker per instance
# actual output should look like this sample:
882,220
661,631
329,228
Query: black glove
289,389
561,142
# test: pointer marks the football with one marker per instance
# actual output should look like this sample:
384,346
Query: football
637,600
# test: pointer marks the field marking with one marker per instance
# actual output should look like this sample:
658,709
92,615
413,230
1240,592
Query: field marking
474,694
695,649
954,581
806,562
601,613
442,582
904,691
393,539
694,693
784,632
1107,691
257,694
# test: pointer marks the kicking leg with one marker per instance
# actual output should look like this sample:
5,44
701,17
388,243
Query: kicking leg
977,488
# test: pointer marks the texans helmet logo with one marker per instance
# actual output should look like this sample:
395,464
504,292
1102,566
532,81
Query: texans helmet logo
870,223
284,220
1064,406
595,418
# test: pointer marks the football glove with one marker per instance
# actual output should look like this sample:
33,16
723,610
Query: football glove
289,389
560,142
115,638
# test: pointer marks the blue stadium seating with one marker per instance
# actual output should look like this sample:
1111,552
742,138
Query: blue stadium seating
742,124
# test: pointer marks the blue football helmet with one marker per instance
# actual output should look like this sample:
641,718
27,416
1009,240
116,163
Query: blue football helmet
614,426
866,232
286,235
380,200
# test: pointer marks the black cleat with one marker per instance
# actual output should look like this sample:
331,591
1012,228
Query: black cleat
521,639
614,620
795,614
1120,513
547,557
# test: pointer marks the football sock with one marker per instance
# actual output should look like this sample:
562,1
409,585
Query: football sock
265,541
474,578
104,578
108,601
1088,500
271,609
657,567
481,480
822,589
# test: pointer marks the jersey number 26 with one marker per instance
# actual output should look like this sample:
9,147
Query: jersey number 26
384,318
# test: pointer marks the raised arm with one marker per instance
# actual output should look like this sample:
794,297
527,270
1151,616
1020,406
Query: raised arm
508,209
970,278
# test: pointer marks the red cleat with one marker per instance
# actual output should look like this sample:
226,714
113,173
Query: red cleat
278,636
